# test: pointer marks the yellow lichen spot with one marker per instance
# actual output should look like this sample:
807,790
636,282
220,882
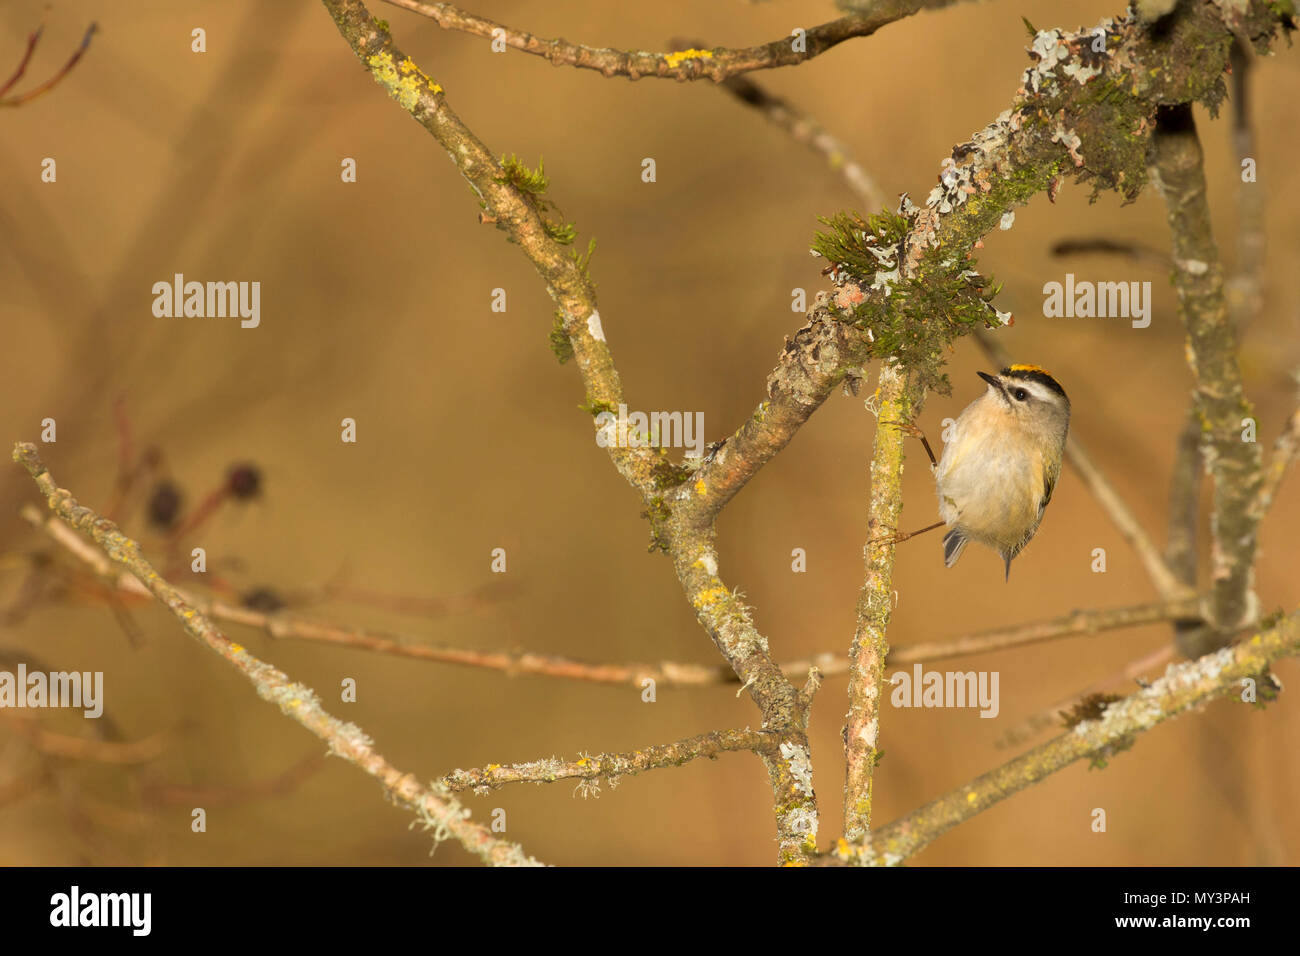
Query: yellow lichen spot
403,86
584,761
493,766
972,797
237,648
710,597
681,56
700,486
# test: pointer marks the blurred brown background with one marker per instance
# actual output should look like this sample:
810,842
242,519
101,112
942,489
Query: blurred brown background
375,305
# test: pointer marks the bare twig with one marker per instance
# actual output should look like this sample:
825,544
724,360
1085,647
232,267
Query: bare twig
804,128
1285,450
1244,288
54,744
1113,247
435,808
284,625
1076,622
32,40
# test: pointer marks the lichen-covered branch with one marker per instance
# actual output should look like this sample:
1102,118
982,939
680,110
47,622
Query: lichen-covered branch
1182,688
785,709
511,197
905,285
1221,402
899,398
715,64
611,766
437,809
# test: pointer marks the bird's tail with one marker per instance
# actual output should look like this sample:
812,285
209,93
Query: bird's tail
954,542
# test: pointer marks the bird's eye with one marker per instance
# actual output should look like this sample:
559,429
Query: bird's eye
1020,394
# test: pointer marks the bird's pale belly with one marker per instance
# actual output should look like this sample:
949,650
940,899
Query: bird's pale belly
989,502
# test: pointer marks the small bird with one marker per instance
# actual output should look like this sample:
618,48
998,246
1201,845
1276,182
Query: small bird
998,470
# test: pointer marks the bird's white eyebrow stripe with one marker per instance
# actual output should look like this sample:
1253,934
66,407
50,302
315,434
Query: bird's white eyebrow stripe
1036,389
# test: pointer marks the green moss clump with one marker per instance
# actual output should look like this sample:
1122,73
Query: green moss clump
912,320
856,244
532,185
1092,707
667,474
658,514
559,339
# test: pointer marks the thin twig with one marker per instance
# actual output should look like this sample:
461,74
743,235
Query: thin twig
285,625
1244,289
53,81
612,766
54,744
1076,622
435,808
715,64
1113,247
1285,450
804,128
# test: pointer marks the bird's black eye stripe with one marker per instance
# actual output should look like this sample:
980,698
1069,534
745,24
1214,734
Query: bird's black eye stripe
1020,394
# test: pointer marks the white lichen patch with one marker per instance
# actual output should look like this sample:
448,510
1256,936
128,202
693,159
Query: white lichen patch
1070,140
885,281
799,765
1148,707
709,562
1081,73
1192,266
1008,220
802,820
594,326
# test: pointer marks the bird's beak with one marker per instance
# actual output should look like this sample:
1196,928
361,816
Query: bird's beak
997,385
